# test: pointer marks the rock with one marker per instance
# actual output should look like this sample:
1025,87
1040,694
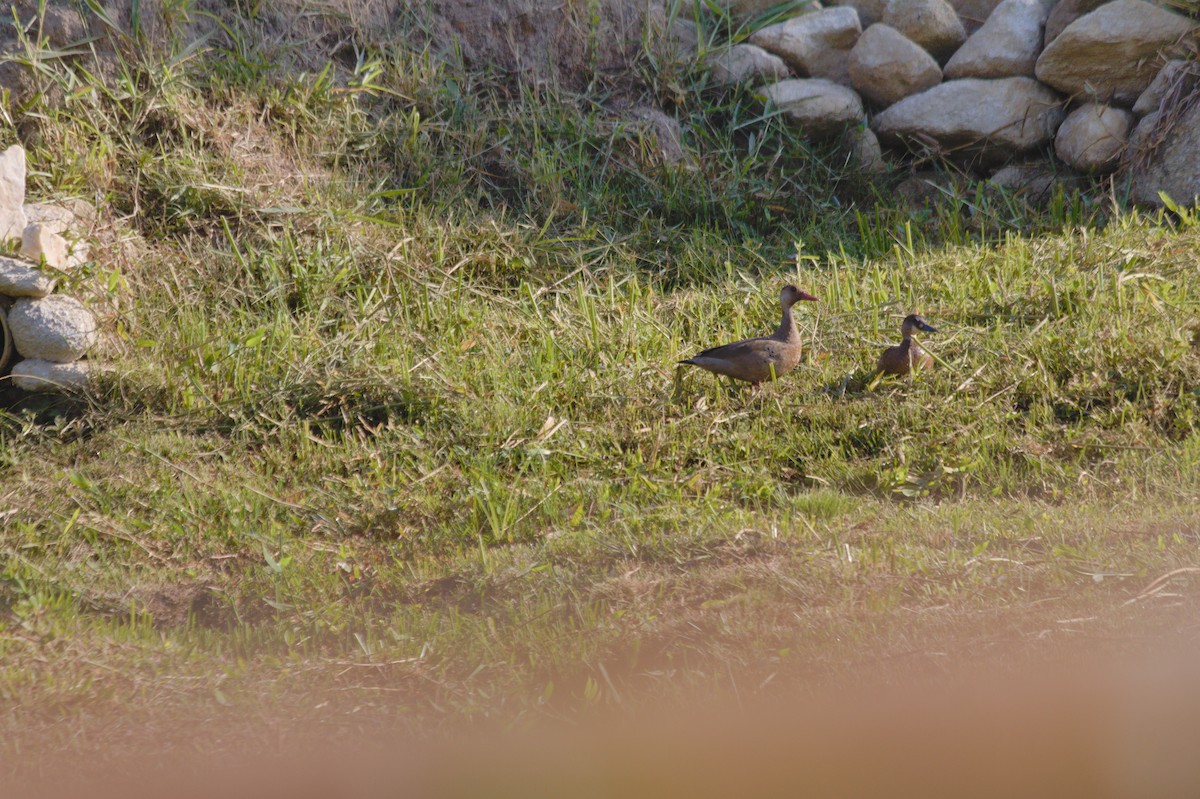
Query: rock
820,106
1064,13
1111,53
664,130
746,62
1007,44
991,117
78,253
63,26
1173,166
814,44
865,153
933,24
34,374
1034,183
926,188
869,11
18,79
670,37
22,280
1173,72
1092,137
974,13
1035,178
56,328
62,217
1143,139
12,192
40,242
738,8
886,66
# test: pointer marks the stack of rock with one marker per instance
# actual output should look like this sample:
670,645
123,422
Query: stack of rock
984,81
46,334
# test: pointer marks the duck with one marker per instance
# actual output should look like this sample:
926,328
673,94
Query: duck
754,360
907,355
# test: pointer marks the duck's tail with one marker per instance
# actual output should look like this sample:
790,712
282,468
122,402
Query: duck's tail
689,360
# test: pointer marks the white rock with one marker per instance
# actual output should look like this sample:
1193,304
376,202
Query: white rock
12,192
33,374
1007,44
933,24
746,62
820,106
886,66
1111,52
995,117
1172,165
814,44
1149,100
22,280
1092,137
79,253
39,242
70,216
56,328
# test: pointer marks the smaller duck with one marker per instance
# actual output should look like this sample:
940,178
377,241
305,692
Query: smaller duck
907,355
764,358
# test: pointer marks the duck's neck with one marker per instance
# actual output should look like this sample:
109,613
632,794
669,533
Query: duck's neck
787,326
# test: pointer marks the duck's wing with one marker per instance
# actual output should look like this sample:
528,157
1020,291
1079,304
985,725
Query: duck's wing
746,349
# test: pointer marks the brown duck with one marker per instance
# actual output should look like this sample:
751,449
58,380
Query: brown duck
907,355
764,358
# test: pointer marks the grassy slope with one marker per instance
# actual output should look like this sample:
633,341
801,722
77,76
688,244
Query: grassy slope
395,420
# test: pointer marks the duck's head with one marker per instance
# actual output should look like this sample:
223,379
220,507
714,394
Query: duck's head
916,322
792,295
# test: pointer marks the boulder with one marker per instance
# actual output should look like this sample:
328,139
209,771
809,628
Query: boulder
1142,138
56,328
1064,13
670,37
662,130
1111,53
743,63
814,44
820,106
869,11
1007,44
1034,183
40,244
933,24
1173,72
974,13
34,374
886,66
12,192
22,280
63,217
865,153
62,27
993,118
1092,137
1173,166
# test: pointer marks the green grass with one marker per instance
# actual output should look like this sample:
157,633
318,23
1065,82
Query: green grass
395,419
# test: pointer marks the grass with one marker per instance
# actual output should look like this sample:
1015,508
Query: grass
395,420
